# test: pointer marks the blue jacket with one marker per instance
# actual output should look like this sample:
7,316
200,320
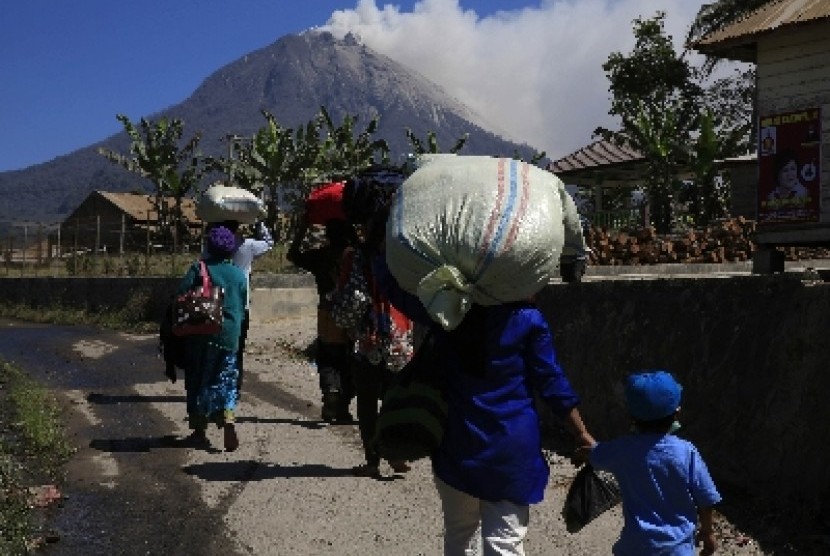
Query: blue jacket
492,447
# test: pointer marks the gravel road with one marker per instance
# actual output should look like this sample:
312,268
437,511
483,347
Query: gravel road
133,488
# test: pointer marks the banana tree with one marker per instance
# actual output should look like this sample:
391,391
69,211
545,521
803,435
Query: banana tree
345,152
174,170
430,145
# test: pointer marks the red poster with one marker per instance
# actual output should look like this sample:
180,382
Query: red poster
789,172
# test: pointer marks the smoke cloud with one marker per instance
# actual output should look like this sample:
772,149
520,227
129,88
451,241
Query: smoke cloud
533,75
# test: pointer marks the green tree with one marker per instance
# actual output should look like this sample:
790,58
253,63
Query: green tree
707,198
713,16
267,161
345,151
430,144
731,98
175,170
657,101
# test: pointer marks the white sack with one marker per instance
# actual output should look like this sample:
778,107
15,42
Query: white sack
219,203
477,229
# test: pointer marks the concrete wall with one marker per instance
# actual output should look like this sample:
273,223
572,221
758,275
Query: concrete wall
273,296
751,352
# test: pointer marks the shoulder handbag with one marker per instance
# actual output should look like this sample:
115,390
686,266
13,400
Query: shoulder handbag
413,413
199,310
350,302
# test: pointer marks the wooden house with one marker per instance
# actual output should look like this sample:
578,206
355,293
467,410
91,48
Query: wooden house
789,43
118,222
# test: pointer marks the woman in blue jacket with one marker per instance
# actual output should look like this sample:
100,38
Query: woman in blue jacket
489,467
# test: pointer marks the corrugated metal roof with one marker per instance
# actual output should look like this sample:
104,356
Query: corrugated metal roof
767,18
138,205
595,155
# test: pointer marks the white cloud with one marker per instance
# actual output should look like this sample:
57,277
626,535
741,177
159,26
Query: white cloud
534,74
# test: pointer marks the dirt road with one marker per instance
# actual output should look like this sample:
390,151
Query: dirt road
134,488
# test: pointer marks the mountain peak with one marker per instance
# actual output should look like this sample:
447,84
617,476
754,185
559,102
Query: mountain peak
290,78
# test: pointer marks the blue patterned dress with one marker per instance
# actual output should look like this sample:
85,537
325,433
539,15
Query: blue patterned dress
211,371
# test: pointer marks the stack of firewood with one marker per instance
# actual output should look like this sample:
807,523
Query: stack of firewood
728,240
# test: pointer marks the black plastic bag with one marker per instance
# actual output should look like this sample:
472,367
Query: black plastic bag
589,495
171,347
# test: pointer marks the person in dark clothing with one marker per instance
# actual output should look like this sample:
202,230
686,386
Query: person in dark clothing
333,346
384,338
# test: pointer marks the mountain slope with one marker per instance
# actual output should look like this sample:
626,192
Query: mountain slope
292,79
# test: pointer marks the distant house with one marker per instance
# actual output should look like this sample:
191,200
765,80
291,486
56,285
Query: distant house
118,222
603,165
789,42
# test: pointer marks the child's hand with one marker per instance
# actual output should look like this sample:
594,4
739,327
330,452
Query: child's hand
708,540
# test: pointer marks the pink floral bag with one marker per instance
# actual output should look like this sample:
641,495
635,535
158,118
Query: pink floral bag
199,310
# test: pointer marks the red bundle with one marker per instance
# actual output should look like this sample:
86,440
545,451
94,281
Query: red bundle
325,203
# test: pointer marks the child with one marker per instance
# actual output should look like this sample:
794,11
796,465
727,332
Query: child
666,487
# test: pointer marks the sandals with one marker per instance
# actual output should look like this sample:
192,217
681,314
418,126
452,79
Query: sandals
231,439
366,470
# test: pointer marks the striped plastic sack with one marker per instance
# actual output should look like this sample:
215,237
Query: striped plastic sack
477,229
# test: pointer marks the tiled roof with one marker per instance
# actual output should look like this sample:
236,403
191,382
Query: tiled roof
600,162
738,39
137,205
599,153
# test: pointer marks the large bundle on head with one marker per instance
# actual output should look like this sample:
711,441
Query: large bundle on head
476,229
325,203
220,203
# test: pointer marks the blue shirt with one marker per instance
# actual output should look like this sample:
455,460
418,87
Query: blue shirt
664,481
492,447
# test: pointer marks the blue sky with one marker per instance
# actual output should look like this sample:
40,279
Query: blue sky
532,69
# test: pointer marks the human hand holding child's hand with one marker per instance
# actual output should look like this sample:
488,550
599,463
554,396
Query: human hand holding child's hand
708,540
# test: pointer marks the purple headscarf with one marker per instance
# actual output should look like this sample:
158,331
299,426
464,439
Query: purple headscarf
221,242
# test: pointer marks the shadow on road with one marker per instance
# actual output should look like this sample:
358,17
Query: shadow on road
257,471
105,399
305,423
144,444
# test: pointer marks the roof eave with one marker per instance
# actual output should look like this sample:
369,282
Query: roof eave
736,50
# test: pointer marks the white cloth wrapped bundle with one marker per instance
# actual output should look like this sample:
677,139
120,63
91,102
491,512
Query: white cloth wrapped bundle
219,203
477,229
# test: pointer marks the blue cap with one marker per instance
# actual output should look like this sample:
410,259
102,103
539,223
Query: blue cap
652,395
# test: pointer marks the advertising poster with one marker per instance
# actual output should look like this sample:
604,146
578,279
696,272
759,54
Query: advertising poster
789,167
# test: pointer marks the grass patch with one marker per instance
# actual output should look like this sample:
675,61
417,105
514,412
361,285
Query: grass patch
33,449
126,319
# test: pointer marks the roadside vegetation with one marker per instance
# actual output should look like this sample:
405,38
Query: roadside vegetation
33,449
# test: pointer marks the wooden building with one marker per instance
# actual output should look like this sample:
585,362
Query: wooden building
118,222
789,43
